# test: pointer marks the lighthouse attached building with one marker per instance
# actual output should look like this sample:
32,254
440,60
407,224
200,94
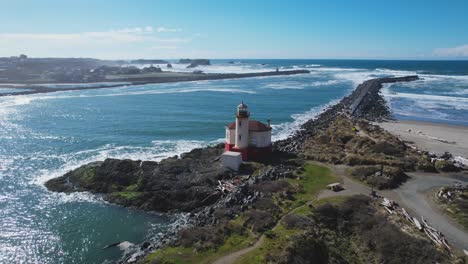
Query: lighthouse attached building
251,138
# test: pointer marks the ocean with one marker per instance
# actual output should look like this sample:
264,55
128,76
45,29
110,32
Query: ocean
43,136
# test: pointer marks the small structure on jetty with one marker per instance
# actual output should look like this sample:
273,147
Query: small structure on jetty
250,138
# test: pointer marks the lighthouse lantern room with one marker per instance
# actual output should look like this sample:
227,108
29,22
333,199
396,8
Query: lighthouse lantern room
249,137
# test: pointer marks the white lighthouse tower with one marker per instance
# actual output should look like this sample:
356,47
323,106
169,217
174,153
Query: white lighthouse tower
242,127
251,138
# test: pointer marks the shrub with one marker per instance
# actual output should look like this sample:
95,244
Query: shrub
203,237
357,217
426,167
291,221
445,166
259,221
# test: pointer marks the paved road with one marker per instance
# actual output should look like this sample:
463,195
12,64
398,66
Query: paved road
412,197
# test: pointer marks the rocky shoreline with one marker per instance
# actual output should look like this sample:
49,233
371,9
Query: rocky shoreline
189,183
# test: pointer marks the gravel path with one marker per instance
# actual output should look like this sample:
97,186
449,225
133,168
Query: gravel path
412,197
351,187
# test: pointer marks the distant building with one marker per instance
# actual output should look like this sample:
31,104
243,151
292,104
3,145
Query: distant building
249,137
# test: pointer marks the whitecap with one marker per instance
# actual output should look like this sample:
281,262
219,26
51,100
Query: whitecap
158,150
284,130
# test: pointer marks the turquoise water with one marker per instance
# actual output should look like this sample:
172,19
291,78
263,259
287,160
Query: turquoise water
4,90
43,136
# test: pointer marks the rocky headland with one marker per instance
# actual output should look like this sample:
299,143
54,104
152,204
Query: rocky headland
194,62
175,184
272,200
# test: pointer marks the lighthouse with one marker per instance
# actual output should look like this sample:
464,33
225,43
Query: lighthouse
251,138
242,127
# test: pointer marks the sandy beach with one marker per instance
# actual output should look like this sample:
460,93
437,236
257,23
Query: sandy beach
433,137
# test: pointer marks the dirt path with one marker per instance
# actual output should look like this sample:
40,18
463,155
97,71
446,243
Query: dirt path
231,258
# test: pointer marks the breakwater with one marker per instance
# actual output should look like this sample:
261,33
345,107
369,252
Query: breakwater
364,102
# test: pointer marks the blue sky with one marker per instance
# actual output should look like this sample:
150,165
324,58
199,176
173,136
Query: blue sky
235,29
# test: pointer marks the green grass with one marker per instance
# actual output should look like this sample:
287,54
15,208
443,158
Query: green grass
331,200
282,237
87,174
128,195
457,209
458,215
305,210
314,179
131,188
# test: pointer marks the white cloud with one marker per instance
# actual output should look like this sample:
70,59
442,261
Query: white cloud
164,29
459,51
126,41
121,35
164,47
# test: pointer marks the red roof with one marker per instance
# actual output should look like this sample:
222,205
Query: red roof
254,125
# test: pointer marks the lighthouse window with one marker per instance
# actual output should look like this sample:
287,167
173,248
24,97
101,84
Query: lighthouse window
240,123
240,137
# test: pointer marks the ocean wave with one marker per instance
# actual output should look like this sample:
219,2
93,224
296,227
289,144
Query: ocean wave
80,85
181,90
431,97
462,91
285,85
359,76
214,68
395,72
298,84
335,69
437,107
11,101
158,150
285,130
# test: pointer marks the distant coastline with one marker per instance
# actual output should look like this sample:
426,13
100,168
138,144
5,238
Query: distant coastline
160,77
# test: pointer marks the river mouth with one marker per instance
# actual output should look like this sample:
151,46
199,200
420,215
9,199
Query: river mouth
45,135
